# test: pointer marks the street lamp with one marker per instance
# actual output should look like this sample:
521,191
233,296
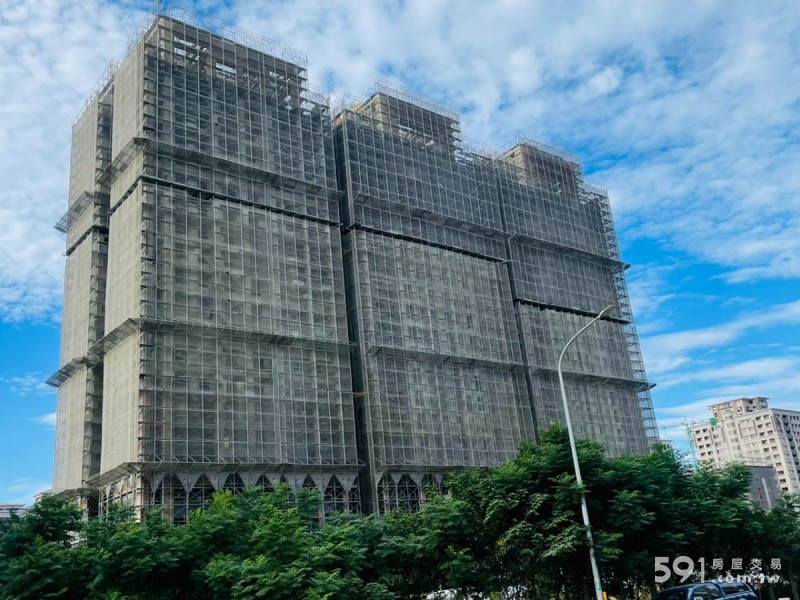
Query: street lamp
598,586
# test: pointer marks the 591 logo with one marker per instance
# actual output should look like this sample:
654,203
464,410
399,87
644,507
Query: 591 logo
682,566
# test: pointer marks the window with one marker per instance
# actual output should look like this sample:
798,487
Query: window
706,592
734,587
674,594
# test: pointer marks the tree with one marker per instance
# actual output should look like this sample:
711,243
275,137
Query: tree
37,558
513,531
781,541
530,512
638,513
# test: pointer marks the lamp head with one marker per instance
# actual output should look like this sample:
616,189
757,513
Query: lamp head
607,310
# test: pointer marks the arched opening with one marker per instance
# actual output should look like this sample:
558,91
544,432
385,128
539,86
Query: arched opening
234,483
200,494
430,486
402,494
263,482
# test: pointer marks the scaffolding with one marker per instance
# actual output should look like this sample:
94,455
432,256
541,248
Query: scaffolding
566,268
79,411
84,296
604,410
198,96
227,345
544,200
260,290
78,429
439,374
406,171
197,399
421,298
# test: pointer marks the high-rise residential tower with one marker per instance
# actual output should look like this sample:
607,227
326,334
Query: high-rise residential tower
258,291
748,431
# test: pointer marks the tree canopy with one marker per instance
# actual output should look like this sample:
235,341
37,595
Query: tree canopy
512,531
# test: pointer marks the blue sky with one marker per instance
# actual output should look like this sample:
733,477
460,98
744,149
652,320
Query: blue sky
688,112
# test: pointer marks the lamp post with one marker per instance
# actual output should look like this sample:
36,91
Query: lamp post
598,586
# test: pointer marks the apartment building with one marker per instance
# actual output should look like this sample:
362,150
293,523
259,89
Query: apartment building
263,289
748,431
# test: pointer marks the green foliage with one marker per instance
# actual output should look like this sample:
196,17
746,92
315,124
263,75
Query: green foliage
45,570
511,531
37,559
52,520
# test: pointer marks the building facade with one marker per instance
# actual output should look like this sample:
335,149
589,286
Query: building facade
8,510
260,291
748,431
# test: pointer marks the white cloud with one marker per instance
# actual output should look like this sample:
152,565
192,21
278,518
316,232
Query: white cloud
22,491
602,83
28,384
685,114
782,391
737,301
51,53
47,419
676,414
776,378
784,264
646,285
754,372
668,351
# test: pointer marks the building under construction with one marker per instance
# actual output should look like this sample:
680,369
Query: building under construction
260,291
